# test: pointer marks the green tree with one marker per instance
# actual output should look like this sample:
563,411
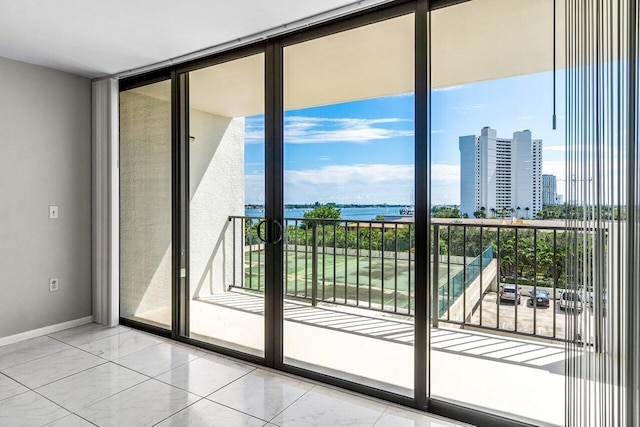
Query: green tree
322,212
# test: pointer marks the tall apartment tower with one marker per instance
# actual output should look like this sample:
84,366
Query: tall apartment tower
549,192
500,173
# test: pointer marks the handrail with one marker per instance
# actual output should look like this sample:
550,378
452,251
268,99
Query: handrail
370,264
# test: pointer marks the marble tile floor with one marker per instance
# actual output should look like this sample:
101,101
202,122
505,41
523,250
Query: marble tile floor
93,375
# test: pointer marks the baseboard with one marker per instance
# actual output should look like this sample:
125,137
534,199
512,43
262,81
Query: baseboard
11,339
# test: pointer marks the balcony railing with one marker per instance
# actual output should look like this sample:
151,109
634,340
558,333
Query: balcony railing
370,264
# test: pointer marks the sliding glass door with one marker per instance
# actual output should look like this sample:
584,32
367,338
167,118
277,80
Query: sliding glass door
226,194
498,179
380,208
349,282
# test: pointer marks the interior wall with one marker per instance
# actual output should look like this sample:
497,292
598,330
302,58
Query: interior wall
45,159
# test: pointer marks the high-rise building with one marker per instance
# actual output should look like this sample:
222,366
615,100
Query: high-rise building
502,175
549,191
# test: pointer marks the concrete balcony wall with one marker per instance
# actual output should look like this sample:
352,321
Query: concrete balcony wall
473,293
216,184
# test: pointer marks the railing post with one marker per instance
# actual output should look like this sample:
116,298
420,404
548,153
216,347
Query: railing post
435,299
314,262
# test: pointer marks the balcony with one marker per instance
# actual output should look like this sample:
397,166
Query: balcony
352,284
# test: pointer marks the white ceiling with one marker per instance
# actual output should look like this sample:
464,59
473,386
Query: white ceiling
94,38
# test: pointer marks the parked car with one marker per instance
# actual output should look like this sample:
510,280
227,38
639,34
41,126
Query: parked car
509,293
570,300
540,299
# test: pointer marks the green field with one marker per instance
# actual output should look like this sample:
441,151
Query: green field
342,277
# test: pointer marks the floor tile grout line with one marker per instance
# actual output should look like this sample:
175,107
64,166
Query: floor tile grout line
386,408
292,403
37,358
65,377
98,327
204,397
177,412
111,336
83,418
56,404
112,395
234,409
107,397
115,362
92,341
12,396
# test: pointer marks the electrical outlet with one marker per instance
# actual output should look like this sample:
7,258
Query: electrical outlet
53,284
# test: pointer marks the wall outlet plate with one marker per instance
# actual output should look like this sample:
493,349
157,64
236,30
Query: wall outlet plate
54,284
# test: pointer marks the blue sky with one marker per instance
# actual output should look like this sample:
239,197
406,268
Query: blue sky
363,151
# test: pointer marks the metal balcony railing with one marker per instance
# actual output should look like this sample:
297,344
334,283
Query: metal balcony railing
370,264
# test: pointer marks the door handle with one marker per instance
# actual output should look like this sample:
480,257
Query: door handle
260,236
279,228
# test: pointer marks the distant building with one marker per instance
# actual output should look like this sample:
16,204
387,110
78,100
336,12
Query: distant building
501,174
559,199
549,192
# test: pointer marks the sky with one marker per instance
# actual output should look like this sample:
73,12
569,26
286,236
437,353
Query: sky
363,151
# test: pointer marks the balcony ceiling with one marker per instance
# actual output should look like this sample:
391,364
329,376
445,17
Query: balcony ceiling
474,41
94,38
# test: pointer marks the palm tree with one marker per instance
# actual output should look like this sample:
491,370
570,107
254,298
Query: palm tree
511,211
527,211
493,212
518,209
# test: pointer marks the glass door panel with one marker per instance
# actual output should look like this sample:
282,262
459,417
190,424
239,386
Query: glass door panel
145,204
348,195
496,169
226,204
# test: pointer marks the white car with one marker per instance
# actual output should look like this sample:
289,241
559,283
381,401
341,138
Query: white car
571,300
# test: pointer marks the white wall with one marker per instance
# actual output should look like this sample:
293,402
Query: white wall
45,159
216,162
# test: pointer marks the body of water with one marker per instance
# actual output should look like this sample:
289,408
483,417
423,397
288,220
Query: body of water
364,214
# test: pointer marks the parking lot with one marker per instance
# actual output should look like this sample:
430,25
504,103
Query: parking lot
546,322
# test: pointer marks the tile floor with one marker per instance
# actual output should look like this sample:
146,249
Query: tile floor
92,375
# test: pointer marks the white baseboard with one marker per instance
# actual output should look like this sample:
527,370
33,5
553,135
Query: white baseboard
11,339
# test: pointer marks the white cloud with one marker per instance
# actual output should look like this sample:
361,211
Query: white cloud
448,88
400,95
319,130
362,174
445,184
360,183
